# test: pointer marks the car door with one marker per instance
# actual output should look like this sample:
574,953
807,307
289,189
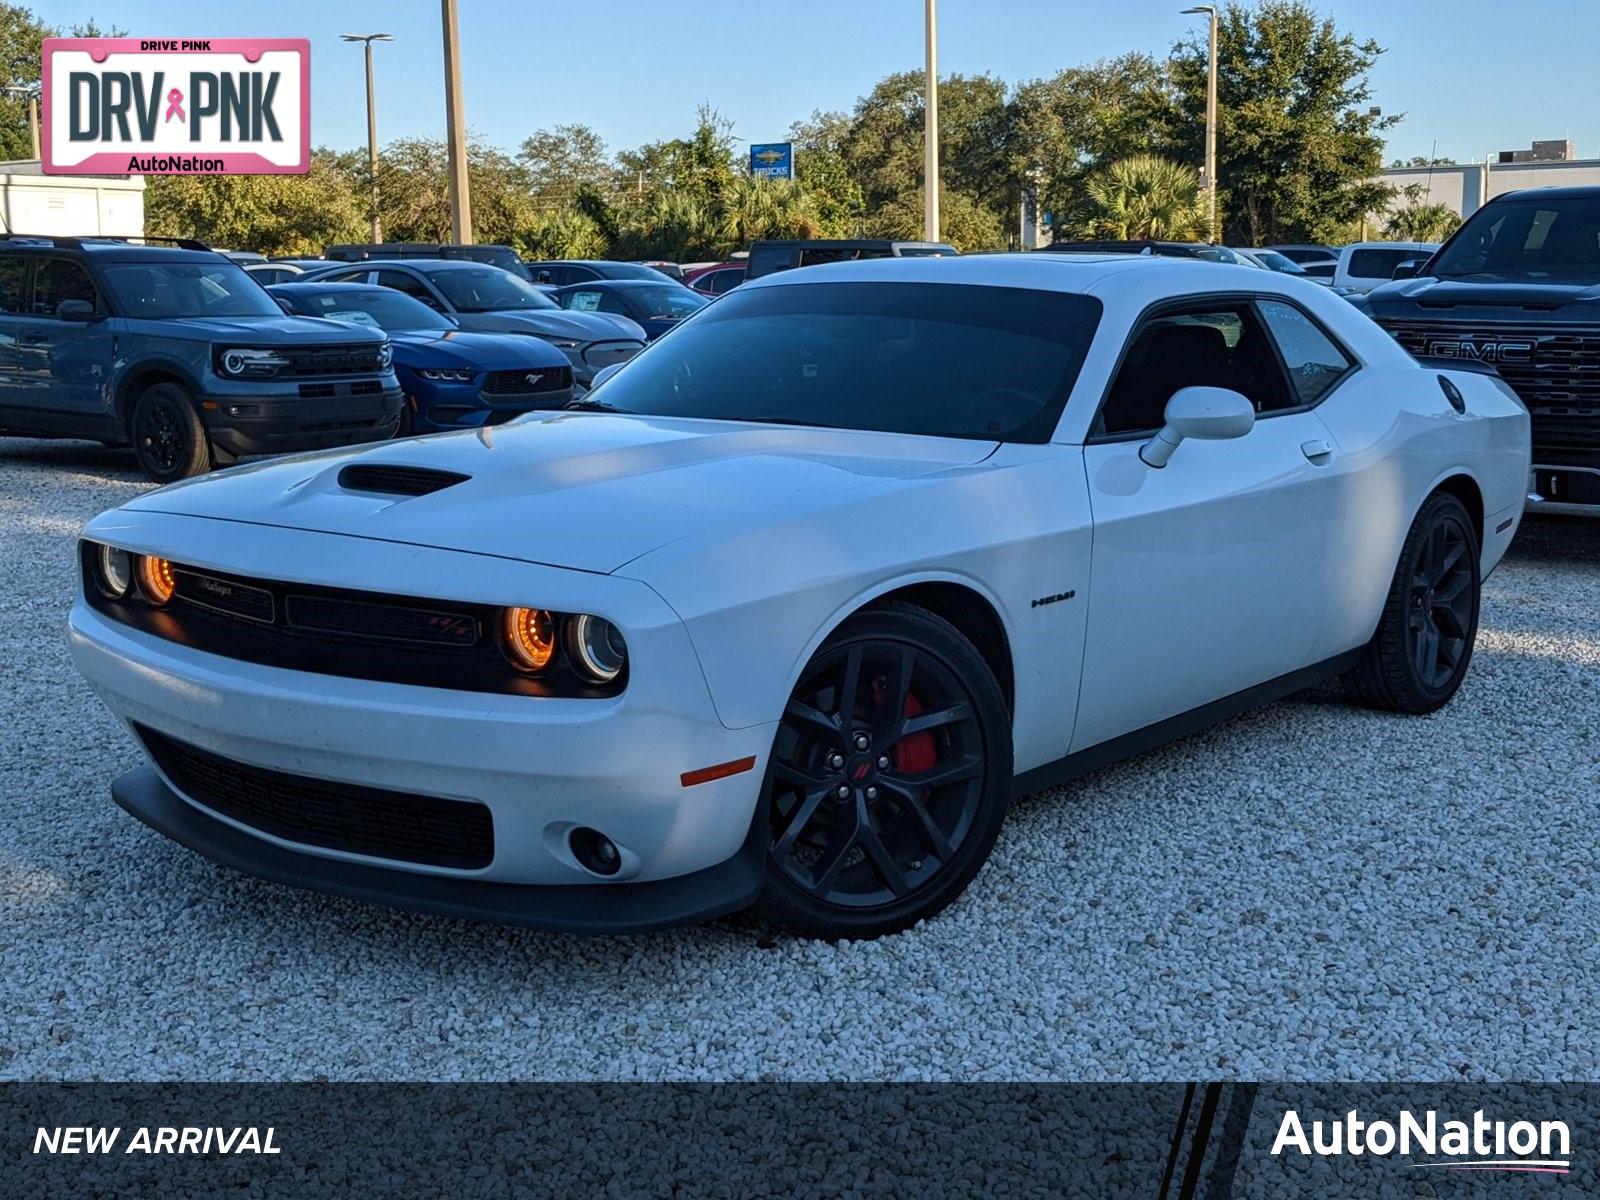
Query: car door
14,301
414,286
1206,576
62,366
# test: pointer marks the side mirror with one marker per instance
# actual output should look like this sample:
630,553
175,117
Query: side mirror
1208,413
288,310
603,374
77,310
1409,269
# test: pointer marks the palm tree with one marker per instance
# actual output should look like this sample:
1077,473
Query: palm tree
753,207
1146,196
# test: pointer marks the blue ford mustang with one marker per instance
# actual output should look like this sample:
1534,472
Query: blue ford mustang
452,379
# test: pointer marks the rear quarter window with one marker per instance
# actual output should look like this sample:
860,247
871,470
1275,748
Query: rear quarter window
1380,264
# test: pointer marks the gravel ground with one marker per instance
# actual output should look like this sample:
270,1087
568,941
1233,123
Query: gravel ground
1309,892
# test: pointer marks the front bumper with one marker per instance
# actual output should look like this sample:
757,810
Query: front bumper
264,424
621,908
1565,482
540,765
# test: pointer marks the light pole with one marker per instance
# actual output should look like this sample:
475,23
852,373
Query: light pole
1211,116
456,122
31,91
930,130
372,124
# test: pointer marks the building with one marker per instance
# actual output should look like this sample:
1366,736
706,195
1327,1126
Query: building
1465,187
69,205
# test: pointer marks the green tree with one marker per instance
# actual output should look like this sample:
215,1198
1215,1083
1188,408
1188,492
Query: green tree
754,207
1146,196
1417,220
1298,151
414,191
565,232
557,162
822,168
21,60
275,214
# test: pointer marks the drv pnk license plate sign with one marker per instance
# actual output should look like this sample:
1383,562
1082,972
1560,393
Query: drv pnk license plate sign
173,106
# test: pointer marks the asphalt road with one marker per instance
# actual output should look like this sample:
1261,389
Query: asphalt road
1311,891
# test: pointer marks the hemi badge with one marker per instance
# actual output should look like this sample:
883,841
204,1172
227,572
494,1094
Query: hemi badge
1056,599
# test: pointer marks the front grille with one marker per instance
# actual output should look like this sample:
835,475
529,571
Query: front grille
330,360
398,481
390,622
603,354
517,383
1555,369
335,816
224,595
322,391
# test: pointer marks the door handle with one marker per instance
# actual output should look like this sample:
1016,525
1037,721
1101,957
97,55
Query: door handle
1317,451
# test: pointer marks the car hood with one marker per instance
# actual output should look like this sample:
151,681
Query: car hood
1428,292
274,331
587,491
477,351
556,322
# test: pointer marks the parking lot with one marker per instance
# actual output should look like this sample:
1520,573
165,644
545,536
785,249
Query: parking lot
1312,891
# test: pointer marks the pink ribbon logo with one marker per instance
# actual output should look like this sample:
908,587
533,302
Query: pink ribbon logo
175,105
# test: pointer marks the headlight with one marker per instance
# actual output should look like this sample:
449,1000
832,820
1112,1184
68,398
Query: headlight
385,355
529,635
596,647
156,579
448,376
243,363
115,570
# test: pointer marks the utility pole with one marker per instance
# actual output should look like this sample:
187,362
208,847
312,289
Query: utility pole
372,125
1211,118
456,132
31,91
930,130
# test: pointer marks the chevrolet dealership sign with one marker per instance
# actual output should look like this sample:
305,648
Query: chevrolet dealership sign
147,106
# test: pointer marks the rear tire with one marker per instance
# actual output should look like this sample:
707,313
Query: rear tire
899,713
1416,661
168,437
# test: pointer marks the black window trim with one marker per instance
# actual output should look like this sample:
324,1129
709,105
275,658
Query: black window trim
30,285
1160,308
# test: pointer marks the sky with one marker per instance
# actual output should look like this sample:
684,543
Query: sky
1472,76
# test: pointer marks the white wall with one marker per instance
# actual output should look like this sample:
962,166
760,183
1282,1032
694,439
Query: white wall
69,205
1462,186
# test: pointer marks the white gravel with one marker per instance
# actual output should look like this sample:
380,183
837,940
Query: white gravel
1309,892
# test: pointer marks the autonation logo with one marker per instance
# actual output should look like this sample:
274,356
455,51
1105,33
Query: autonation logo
1476,1145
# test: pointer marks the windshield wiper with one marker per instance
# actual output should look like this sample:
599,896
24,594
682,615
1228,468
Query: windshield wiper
585,404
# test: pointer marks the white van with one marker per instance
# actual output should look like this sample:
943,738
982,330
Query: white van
1363,266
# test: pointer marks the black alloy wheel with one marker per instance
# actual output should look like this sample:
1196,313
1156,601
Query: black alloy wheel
1417,659
168,437
889,777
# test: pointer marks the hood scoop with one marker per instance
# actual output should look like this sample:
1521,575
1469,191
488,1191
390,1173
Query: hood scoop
397,480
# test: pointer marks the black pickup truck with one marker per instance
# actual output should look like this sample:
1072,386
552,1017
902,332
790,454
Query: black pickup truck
1518,287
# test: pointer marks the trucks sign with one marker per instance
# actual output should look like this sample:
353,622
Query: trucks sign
206,106
775,160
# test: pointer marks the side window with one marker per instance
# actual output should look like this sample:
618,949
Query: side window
13,273
1213,345
358,276
410,285
1315,363
726,281
59,279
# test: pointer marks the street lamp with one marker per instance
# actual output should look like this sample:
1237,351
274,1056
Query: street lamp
31,91
1211,115
930,130
372,123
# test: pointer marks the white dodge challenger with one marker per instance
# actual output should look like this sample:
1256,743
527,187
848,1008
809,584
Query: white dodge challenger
792,605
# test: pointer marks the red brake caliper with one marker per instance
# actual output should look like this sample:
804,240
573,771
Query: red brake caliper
917,752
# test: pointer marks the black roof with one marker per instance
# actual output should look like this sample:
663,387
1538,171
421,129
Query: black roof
182,249
1569,192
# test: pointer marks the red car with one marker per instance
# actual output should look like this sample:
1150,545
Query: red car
715,279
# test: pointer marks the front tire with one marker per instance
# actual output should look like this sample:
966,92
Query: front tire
168,437
889,777
1416,661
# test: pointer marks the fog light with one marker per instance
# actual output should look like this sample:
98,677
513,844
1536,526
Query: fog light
156,579
595,851
529,635
116,572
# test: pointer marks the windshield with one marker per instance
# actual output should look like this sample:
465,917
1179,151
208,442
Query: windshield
488,289
1526,240
157,291
377,308
1273,261
949,360
1222,254
670,302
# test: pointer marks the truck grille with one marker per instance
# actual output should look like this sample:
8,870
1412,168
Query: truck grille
309,361
335,816
1555,369
517,383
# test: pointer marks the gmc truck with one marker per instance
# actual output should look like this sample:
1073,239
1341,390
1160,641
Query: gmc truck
1517,288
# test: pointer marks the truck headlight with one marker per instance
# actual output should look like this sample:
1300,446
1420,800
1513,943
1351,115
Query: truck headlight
385,355
245,363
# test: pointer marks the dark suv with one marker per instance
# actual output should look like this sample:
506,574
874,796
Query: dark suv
1517,287
178,351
